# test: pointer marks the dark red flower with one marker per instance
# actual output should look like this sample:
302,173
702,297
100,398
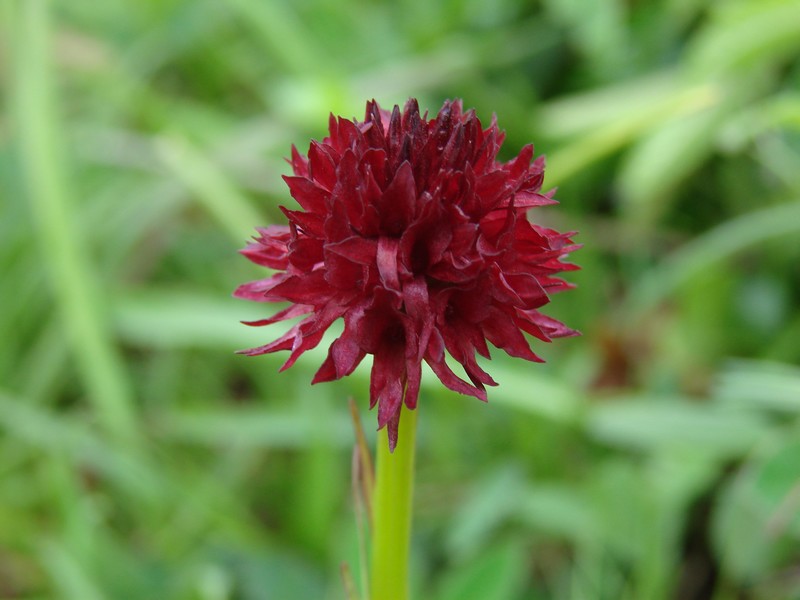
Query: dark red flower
412,232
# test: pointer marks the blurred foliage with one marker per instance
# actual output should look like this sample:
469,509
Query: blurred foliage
655,457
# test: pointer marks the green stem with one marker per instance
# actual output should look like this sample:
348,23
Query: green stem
392,501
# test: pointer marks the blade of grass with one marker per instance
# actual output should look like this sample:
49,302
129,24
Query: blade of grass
363,485
60,435
210,185
607,138
715,245
74,284
660,161
347,580
283,35
68,575
259,428
760,384
359,503
366,472
744,34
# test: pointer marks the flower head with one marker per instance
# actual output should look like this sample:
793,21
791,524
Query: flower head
413,233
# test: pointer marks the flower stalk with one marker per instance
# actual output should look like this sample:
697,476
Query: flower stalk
392,508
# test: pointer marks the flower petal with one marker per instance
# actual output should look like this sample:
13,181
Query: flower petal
387,381
502,331
306,289
386,259
258,290
307,193
344,356
322,166
398,204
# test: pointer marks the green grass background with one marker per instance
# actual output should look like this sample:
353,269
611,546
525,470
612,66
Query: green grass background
656,457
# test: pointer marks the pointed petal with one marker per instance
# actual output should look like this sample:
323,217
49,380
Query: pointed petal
322,166
307,193
398,204
356,249
344,356
258,290
309,289
387,262
386,381
501,330
452,381
295,310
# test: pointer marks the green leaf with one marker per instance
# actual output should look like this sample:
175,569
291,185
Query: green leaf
254,427
760,384
68,574
58,433
177,319
560,511
210,185
743,34
261,576
758,522
663,158
491,501
645,424
778,482
624,119
497,573
76,288
720,243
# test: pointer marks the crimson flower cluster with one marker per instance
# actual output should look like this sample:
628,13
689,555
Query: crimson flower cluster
414,234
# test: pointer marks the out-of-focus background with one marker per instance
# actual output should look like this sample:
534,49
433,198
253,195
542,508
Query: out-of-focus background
656,457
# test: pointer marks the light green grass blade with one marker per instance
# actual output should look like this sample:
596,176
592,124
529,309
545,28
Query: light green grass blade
626,119
745,34
720,243
74,285
210,186
69,576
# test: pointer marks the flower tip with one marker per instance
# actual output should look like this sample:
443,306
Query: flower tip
391,434
258,323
